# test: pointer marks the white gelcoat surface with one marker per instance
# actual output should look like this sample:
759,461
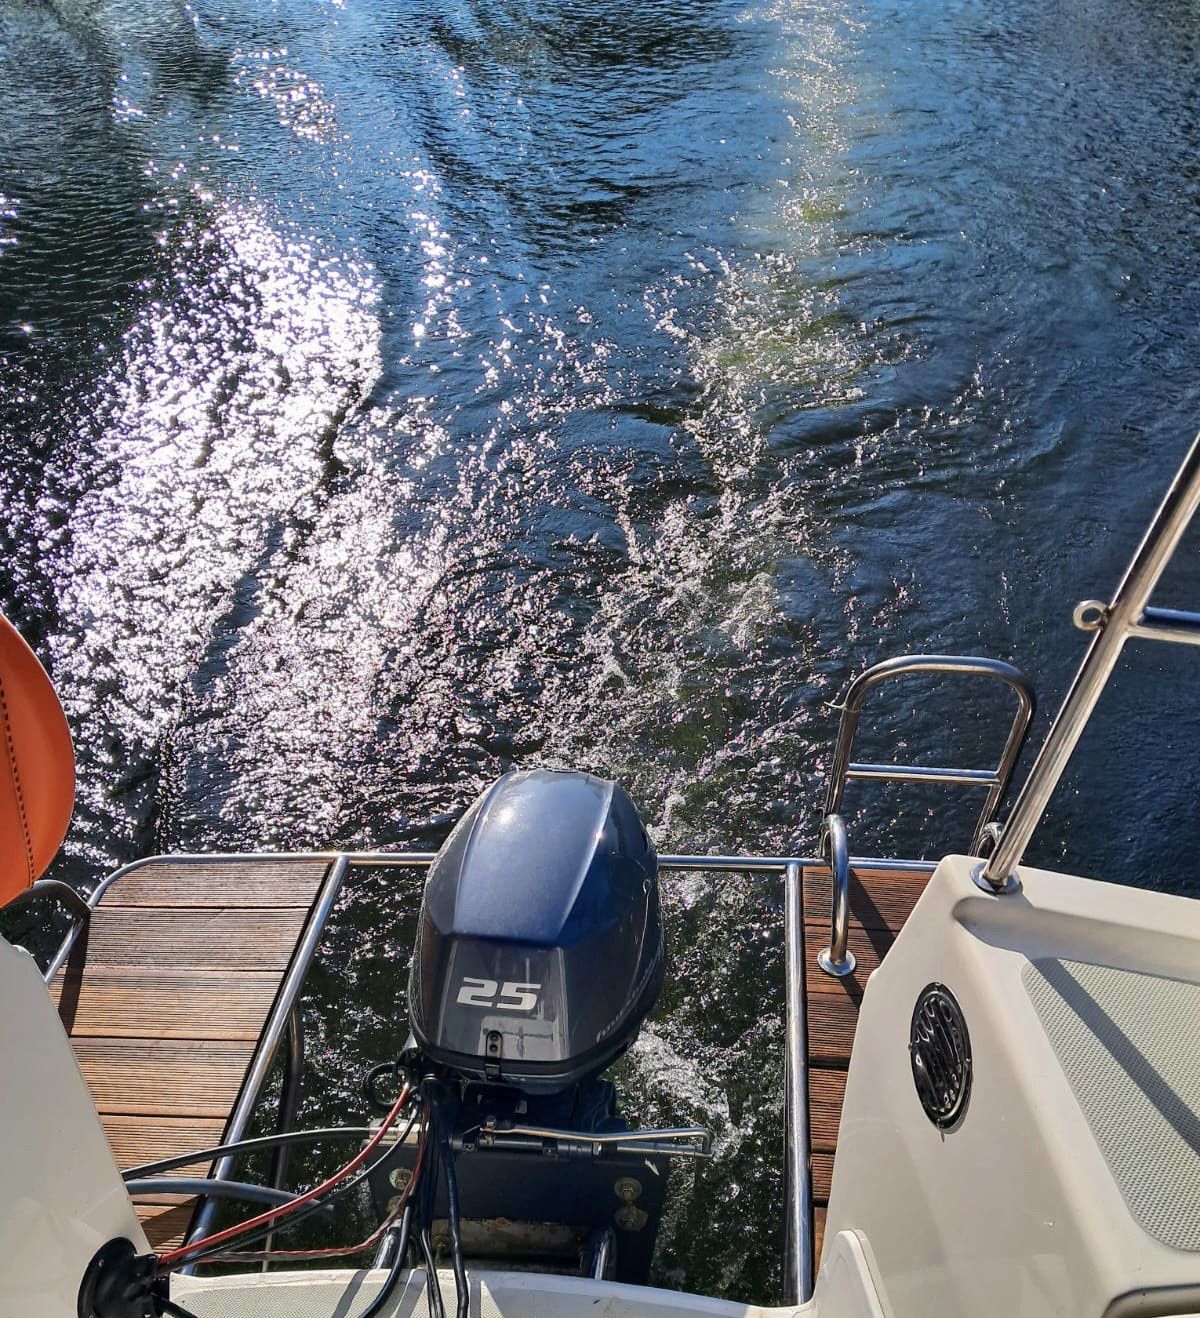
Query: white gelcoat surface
61,1195
493,1295
1015,1212
846,1289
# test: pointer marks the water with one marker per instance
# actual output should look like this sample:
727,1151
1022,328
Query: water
393,394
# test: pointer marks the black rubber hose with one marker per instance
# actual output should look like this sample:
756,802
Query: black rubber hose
397,1268
205,1187
308,1210
249,1146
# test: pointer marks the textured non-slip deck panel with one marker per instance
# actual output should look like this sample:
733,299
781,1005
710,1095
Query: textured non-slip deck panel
183,963
880,902
1121,1039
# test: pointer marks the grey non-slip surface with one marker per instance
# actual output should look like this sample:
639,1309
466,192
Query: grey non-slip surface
1129,1044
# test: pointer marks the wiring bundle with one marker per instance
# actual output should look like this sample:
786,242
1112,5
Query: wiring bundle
404,1238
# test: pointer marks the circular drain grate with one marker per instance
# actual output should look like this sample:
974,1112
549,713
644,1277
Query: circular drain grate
939,1048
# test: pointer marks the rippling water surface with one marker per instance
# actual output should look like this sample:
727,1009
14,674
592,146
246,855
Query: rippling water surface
394,394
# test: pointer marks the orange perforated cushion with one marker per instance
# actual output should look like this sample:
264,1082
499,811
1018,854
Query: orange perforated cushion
37,766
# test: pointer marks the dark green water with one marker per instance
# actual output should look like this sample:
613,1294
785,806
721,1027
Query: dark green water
392,394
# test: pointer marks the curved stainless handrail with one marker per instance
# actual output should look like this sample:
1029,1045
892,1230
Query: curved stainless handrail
834,849
995,781
75,902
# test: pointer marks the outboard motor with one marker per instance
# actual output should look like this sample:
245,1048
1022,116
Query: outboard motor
540,951
539,955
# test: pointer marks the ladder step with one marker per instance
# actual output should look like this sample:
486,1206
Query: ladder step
918,773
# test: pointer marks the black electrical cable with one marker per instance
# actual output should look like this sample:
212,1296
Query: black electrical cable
249,1146
437,1099
312,1208
294,1255
433,1287
429,1179
398,1265
461,1288
309,1209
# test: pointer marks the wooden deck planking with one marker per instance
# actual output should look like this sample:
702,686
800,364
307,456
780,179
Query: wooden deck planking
826,1089
207,938
165,1224
879,899
880,902
183,963
136,1001
284,882
163,1077
137,1140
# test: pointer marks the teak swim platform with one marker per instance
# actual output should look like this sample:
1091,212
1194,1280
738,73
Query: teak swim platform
173,998
184,984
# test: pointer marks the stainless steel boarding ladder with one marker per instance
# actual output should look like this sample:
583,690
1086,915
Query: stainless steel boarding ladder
834,850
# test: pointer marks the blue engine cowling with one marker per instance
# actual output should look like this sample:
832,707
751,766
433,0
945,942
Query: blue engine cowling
540,949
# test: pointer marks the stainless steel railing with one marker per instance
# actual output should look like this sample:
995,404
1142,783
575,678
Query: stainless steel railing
834,848
994,780
837,959
1127,614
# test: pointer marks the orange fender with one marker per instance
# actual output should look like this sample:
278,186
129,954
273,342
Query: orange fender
37,766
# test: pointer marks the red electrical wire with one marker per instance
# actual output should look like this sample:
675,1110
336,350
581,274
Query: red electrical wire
174,1256
337,1251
